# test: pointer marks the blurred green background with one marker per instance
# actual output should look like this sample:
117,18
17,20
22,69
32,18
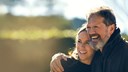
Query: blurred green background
28,43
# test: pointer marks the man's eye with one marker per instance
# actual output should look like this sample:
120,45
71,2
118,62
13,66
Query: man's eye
95,27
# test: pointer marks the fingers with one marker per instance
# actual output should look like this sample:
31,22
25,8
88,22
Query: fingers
65,57
59,63
52,68
55,64
56,67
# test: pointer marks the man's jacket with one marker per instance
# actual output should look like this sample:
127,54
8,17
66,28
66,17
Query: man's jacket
114,57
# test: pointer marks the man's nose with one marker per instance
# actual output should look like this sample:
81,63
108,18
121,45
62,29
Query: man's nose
91,31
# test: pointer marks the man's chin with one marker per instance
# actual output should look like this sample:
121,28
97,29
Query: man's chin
97,45
100,45
97,48
94,45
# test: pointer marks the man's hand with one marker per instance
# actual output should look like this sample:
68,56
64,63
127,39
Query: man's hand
55,64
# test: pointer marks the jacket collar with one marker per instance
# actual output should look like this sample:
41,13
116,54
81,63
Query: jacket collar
112,42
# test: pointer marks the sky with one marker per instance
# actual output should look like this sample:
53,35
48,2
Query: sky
69,9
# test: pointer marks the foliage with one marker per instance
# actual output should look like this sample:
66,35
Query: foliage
43,22
36,34
125,36
33,28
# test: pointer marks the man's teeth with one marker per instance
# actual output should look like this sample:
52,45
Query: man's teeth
94,37
82,51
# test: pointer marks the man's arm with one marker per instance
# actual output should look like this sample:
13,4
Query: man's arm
55,64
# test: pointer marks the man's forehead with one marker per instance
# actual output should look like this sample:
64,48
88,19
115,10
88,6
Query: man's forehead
95,21
96,18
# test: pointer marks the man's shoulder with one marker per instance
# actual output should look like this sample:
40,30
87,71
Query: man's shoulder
124,44
124,47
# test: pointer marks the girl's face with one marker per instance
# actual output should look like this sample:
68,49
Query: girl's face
85,51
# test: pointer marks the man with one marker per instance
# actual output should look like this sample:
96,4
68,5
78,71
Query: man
112,54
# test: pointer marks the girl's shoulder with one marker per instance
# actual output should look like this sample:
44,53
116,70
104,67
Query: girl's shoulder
69,62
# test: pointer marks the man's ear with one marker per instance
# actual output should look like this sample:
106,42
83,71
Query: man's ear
111,29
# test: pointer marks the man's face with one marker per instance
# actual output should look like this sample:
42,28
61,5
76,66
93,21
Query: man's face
98,31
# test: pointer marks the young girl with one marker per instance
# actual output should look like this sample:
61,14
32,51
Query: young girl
81,57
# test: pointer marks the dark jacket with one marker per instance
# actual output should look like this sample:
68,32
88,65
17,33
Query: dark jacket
72,65
114,57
